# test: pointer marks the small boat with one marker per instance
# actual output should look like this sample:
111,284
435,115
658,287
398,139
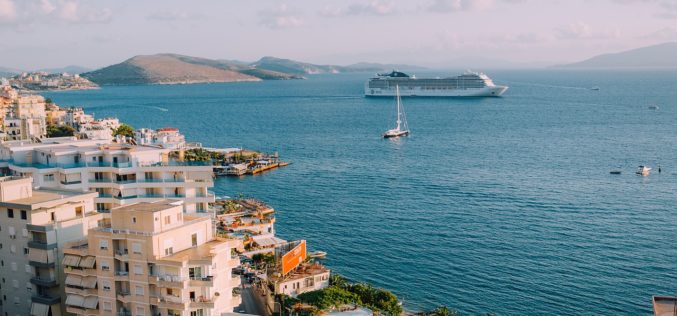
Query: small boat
402,128
594,88
317,254
653,107
615,172
643,170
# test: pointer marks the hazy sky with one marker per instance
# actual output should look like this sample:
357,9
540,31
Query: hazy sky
54,33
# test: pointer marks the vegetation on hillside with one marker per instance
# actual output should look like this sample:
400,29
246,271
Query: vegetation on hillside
124,130
59,131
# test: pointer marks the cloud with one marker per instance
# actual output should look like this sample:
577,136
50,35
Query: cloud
442,6
27,13
167,15
7,11
581,30
664,34
373,8
280,18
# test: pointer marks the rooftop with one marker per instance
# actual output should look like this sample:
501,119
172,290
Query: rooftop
43,196
150,206
196,253
664,306
303,271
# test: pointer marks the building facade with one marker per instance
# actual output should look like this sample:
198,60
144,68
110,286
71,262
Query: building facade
122,174
34,228
153,260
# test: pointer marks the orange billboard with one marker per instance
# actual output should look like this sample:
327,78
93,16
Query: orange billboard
294,257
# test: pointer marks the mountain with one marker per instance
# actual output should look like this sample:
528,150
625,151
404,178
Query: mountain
72,69
173,69
656,56
302,68
9,72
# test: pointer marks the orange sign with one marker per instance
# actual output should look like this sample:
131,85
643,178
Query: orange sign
294,257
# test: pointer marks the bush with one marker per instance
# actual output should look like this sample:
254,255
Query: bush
124,130
332,296
59,131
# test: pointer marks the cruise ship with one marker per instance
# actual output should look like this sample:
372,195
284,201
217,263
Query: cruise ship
469,84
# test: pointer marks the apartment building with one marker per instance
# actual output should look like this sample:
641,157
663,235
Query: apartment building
34,227
26,119
122,174
153,260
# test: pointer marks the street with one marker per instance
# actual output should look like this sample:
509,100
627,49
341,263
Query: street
252,301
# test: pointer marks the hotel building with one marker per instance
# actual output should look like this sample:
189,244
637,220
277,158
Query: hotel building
35,225
122,174
153,260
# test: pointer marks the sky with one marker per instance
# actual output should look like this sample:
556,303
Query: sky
435,33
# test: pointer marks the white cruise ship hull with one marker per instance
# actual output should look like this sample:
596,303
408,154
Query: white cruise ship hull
489,91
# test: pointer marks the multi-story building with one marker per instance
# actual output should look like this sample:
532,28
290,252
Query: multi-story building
121,173
153,260
35,226
26,119
167,137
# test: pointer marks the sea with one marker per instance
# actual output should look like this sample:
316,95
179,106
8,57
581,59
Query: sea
502,205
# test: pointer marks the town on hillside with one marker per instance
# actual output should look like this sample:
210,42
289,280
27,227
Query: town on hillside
100,206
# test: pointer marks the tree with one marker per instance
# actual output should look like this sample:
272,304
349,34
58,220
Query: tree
444,311
59,131
124,130
48,101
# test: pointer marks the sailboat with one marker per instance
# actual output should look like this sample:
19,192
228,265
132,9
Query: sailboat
402,128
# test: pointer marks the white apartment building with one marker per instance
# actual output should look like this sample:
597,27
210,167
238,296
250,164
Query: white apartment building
153,260
26,119
122,174
34,227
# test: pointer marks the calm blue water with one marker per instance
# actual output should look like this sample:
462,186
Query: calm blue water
502,205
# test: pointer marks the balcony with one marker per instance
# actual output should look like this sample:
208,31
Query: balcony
202,302
122,254
207,281
44,281
170,281
40,244
170,302
70,182
121,275
46,299
123,296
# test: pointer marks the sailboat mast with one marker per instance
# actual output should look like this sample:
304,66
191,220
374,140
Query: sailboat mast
399,119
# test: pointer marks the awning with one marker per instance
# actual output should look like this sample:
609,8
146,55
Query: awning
75,300
71,260
89,282
267,240
91,302
37,255
38,309
74,280
87,262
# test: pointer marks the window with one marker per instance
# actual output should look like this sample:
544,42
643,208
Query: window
48,178
24,215
198,312
193,239
168,220
105,284
12,232
52,216
78,211
26,251
12,248
138,269
134,220
136,248
10,213
107,306
169,251
24,232
105,266
138,290
139,311
28,268
178,217
103,244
